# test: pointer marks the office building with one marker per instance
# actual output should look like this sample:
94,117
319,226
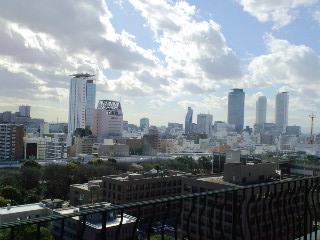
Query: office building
236,108
204,124
281,111
188,121
108,120
174,127
24,111
246,214
261,110
11,142
144,123
133,187
293,130
82,97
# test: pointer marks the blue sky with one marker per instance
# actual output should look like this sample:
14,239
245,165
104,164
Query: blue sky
161,56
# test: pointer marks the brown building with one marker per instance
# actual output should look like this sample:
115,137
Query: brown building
134,187
252,213
150,144
11,142
135,145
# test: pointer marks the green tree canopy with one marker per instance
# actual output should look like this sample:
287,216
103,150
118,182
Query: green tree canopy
11,193
26,233
3,202
30,163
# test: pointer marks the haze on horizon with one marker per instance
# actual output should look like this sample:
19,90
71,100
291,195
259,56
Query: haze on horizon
159,57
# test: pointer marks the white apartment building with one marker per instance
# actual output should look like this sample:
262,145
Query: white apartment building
82,97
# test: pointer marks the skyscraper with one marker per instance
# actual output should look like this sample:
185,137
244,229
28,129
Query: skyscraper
82,97
281,111
204,124
108,120
236,108
188,121
144,123
24,111
261,110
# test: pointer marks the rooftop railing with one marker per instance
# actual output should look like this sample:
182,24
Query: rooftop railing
287,209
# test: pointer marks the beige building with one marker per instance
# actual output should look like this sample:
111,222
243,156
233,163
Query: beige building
86,193
83,145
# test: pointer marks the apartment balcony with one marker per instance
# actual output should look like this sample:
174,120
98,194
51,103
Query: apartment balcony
288,209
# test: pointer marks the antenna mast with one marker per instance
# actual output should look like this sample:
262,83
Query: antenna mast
312,116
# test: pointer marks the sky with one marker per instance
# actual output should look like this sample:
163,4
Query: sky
159,57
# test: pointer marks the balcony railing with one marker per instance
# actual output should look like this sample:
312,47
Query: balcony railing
287,209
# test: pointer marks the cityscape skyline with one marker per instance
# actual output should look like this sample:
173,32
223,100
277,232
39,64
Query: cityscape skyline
156,65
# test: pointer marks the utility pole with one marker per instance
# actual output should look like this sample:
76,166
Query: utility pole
311,132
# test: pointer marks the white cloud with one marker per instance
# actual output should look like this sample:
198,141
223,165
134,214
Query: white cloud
196,56
316,15
287,67
280,12
284,64
156,103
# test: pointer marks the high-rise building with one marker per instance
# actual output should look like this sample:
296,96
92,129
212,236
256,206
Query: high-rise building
11,142
144,123
261,110
82,97
281,111
204,124
188,121
236,108
107,120
24,111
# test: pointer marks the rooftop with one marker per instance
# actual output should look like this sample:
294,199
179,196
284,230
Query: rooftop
22,208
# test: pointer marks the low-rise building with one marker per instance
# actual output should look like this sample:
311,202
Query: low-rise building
86,193
93,226
23,212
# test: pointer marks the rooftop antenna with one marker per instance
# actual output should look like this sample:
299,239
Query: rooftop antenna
312,116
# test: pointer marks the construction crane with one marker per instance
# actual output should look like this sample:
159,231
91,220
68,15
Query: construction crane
312,116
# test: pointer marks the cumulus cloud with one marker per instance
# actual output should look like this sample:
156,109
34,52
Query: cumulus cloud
195,51
280,12
287,67
285,64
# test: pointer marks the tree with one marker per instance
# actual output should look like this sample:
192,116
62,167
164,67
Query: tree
11,193
159,237
27,233
205,163
3,202
30,177
30,163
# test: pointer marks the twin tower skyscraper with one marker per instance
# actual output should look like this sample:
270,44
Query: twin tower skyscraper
236,104
281,111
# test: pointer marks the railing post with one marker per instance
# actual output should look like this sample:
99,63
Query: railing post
38,231
305,218
234,214
103,225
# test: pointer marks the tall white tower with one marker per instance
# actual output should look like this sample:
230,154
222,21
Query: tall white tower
82,98
281,111
261,110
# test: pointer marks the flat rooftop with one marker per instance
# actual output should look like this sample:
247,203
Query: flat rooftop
22,208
